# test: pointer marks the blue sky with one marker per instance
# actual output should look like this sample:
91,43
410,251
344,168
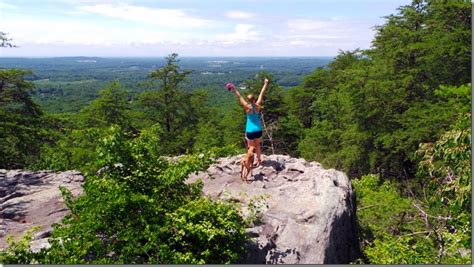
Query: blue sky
190,27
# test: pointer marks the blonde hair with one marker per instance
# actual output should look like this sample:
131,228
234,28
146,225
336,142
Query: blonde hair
251,97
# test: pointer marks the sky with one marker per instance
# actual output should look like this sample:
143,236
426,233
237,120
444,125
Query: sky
144,28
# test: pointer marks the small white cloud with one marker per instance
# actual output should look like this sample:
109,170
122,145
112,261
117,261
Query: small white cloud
242,33
45,31
4,5
237,14
89,2
308,25
298,42
338,18
171,18
75,13
308,36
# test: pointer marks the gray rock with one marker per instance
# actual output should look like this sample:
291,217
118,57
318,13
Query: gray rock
302,213
30,199
37,245
307,212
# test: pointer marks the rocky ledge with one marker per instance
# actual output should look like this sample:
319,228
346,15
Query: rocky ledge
297,211
303,213
30,199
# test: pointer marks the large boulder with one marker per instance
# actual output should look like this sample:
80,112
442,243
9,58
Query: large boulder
299,212
30,199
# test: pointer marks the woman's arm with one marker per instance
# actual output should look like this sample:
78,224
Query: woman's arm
260,97
241,99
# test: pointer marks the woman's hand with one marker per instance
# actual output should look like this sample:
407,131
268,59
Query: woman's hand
241,99
260,97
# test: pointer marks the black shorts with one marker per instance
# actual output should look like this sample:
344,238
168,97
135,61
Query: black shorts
253,135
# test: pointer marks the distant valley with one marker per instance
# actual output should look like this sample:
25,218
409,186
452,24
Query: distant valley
67,84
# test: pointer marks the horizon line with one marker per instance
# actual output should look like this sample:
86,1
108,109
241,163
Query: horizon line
163,56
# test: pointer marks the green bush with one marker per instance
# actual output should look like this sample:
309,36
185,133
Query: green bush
447,164
388,227
433,226
138,209
18,252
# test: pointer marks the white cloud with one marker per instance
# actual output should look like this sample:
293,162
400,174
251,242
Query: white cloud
308,36
171,18
4,5
29,30
308,25
90,2
319,34
237,14
242,33
156,26
298,42
106,28
339,30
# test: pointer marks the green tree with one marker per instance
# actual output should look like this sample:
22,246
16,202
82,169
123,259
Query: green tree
288,135
177,111
112,107
233,124
379,104
138,209
334,138
21,131
402,78
5,41
209,132
433,226
389,228
446,207
73,149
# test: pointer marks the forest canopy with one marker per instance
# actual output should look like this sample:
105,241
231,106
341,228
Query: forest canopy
396,118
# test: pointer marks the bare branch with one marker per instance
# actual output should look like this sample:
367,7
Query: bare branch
5,41
431,216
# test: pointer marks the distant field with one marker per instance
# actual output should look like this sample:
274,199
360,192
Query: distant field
44,82
68,84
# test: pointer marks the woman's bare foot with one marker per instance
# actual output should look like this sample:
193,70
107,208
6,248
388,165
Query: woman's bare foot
259,162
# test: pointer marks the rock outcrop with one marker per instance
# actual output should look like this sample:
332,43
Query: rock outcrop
297,211
30,199
303,212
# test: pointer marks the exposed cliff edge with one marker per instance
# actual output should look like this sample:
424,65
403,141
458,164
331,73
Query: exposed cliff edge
30,199
307,212
300,212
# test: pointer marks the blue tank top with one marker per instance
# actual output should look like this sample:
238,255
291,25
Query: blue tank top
253,121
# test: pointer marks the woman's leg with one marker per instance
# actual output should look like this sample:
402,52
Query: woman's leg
258,150
251,143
